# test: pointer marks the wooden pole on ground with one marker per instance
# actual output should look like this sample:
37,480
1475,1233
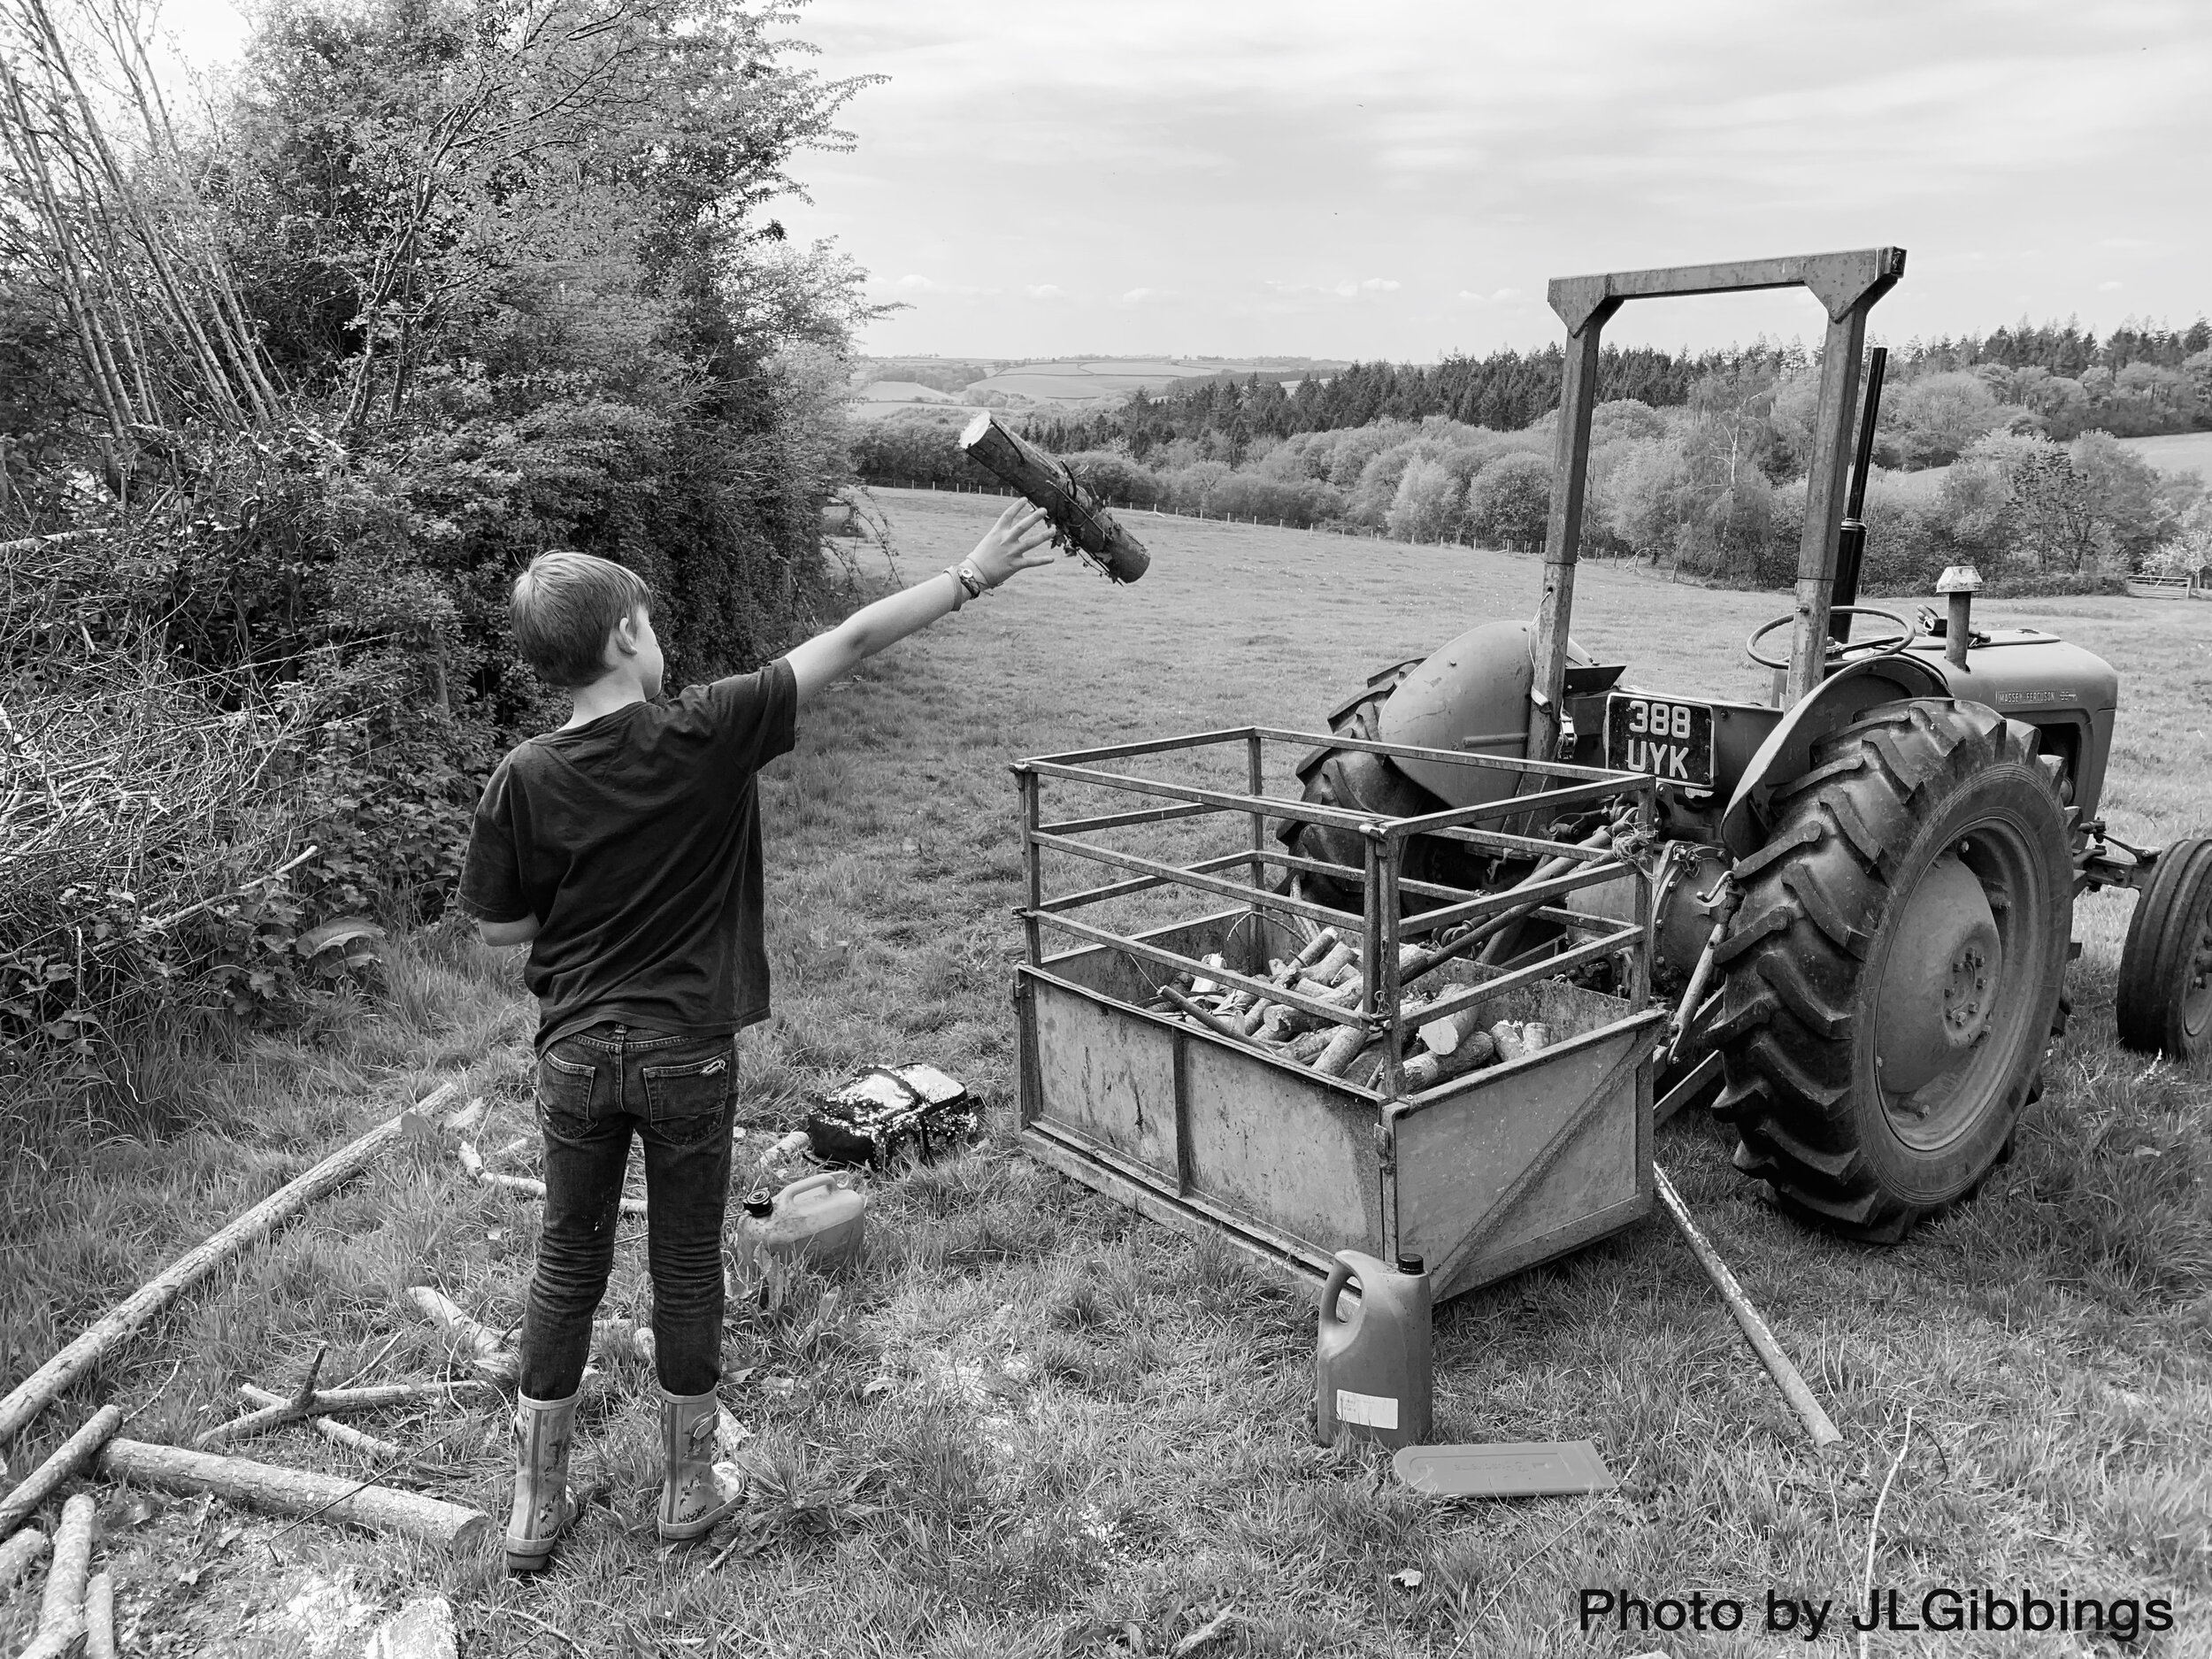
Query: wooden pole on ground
298,1492
37,1391
61,1611
74,1453
99,1616
1817,1422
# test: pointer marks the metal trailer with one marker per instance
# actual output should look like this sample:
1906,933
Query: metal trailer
1482,1175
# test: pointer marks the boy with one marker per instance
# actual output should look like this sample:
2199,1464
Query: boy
625,850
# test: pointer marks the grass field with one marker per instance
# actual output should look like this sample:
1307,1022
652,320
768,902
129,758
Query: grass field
1037,1426
2170,452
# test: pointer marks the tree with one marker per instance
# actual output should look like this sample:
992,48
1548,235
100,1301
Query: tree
1508,502
1932,420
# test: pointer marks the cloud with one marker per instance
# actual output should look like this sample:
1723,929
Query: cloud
912,283
2107,287
1215,144
1046,291
1346,291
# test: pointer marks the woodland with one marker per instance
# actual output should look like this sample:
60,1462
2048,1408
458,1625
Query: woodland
1697,461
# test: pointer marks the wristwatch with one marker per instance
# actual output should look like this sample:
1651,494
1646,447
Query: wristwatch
971,579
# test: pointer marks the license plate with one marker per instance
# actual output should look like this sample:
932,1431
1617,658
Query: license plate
1671,739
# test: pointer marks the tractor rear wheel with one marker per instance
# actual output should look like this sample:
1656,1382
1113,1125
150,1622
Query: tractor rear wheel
1894,968
2165,1003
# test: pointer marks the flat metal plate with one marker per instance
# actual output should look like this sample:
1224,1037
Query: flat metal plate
1669,737
1519,1468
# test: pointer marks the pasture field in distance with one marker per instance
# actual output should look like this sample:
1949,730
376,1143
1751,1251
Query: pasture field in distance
2169,452
1036,1424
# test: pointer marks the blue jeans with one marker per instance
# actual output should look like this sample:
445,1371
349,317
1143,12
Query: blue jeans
676,1094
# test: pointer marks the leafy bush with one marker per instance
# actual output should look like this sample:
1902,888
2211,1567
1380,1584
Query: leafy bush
1429,505
1121,481
1267,500
1508,502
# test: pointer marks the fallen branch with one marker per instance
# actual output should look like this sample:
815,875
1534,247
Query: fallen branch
487,1349
528,1186
337,1402
328,1427
298,1492
1203,1634
1817,1422
74,1453
39,1390
467,1120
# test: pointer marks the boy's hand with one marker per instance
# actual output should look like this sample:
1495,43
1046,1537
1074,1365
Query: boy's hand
1009,545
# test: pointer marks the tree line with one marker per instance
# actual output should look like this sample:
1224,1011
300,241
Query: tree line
1714,486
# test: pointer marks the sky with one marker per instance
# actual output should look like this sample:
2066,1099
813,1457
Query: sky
1401,177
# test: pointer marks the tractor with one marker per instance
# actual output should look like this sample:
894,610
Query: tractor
1862,892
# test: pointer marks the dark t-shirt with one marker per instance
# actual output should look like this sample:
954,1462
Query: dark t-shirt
634,840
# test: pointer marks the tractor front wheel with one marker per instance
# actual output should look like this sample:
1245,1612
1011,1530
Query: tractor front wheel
2165,1003
1895,969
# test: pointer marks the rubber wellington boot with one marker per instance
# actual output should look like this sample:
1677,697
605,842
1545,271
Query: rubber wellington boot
542,1508
694,1493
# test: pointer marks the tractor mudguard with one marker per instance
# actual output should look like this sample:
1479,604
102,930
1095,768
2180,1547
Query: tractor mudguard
1786,754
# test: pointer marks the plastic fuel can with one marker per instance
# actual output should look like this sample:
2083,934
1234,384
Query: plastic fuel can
814,1219
1371,1375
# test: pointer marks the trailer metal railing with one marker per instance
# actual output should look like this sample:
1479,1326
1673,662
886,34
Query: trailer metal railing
1509,827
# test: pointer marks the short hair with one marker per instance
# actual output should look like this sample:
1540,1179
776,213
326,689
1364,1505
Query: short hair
564,606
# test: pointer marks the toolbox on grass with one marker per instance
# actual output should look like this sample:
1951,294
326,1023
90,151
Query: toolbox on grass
888,1114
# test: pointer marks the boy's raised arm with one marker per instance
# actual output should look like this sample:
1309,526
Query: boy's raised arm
1006,546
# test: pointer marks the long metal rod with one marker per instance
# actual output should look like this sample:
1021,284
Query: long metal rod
1117,820
1305,811
1336,1014
1191,877
1624,938
1517,806
1457,757
1078,757
1817,1423
1141,884
1516,898
1353,875
1533,845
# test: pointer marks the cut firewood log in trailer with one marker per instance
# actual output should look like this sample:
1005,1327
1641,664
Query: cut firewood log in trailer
298,1492
124,1321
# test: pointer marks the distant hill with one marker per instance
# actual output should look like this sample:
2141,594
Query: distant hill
889,385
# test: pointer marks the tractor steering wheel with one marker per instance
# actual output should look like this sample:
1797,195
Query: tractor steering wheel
1880,645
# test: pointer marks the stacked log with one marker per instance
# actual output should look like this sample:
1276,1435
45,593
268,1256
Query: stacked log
1329,970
